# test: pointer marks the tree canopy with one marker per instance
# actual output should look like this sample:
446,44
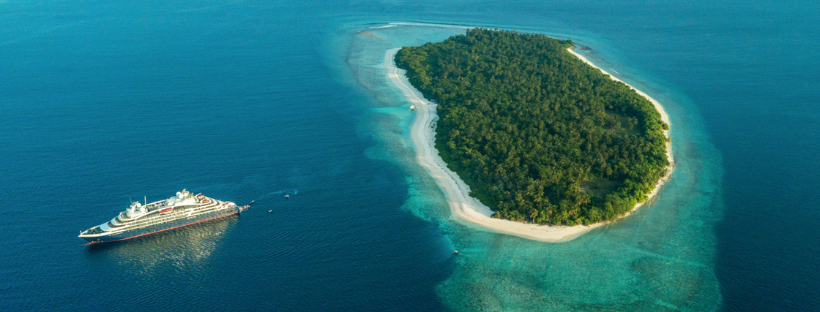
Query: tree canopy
537,134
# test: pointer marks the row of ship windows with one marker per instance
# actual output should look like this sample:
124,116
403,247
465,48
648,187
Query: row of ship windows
154,220
126,221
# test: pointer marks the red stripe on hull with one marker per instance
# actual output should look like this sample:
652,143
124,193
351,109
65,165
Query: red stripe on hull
155,232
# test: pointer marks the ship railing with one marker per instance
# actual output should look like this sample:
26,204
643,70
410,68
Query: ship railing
94,230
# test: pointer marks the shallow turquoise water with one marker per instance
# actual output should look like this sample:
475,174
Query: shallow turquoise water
659,258
242,100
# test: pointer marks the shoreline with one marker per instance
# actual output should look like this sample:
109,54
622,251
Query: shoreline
466,208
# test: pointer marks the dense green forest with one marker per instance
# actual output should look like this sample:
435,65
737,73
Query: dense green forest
538,135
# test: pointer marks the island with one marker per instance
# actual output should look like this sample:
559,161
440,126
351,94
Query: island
527,137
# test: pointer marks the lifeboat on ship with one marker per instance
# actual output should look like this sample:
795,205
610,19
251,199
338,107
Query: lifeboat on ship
167,210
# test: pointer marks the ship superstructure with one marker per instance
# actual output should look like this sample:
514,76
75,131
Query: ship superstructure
178,211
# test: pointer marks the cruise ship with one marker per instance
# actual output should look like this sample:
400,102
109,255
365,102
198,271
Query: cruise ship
181,210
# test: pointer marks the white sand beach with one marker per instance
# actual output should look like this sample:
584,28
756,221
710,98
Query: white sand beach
464,207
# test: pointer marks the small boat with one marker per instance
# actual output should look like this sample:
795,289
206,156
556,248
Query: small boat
270,211
455,252
287,195
252,201
412,107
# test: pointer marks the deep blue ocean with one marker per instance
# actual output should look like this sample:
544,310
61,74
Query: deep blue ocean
105,102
